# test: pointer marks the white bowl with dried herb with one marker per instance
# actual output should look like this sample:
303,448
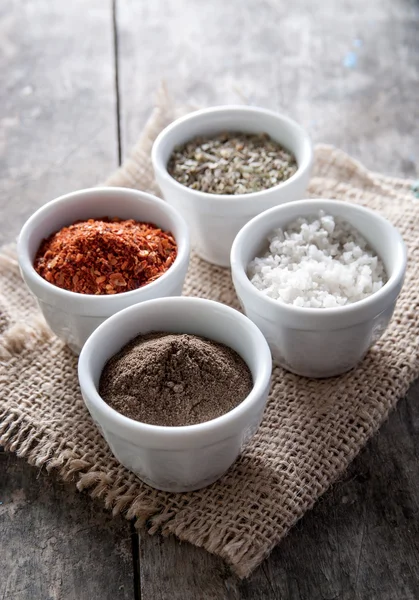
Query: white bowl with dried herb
222,166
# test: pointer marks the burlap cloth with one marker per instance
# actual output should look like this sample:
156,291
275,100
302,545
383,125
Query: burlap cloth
311,429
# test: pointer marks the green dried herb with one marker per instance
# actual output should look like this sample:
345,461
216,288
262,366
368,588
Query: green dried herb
232,163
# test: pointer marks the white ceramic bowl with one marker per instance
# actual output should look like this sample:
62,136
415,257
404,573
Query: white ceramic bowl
72,316
214,220
177,459
320,342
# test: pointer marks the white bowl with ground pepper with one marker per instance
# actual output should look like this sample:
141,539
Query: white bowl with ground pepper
79,254
195,360
320,278
222,166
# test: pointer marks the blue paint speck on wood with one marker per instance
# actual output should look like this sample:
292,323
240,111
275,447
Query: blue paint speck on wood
350,60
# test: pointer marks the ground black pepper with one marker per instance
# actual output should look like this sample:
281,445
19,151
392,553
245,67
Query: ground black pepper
174,379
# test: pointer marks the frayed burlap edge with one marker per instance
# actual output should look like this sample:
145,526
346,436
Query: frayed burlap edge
26,441
42,449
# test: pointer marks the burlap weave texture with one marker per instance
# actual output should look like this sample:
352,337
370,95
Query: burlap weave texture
311,429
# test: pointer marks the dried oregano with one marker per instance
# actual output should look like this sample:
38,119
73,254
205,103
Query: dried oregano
231,163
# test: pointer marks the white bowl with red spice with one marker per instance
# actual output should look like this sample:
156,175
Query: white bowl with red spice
179,458
312,332
214,219
73,316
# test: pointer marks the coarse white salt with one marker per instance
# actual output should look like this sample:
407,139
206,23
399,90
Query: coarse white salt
318,262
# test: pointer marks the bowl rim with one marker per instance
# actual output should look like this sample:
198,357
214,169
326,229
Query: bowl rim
28,268
176,433
161,169
239,271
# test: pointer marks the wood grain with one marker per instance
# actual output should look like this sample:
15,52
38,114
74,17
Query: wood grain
57,544
57,98
362,539
180,571
347,71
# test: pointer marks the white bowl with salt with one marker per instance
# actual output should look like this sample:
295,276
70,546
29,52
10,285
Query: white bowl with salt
320,278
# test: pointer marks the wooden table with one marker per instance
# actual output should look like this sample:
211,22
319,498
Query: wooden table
77,85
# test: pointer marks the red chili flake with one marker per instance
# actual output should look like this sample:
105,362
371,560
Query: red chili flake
105,256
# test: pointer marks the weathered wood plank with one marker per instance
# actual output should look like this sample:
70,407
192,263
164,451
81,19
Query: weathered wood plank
57,134
57,97
349,72
171,569
57,544
351,78
362,539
